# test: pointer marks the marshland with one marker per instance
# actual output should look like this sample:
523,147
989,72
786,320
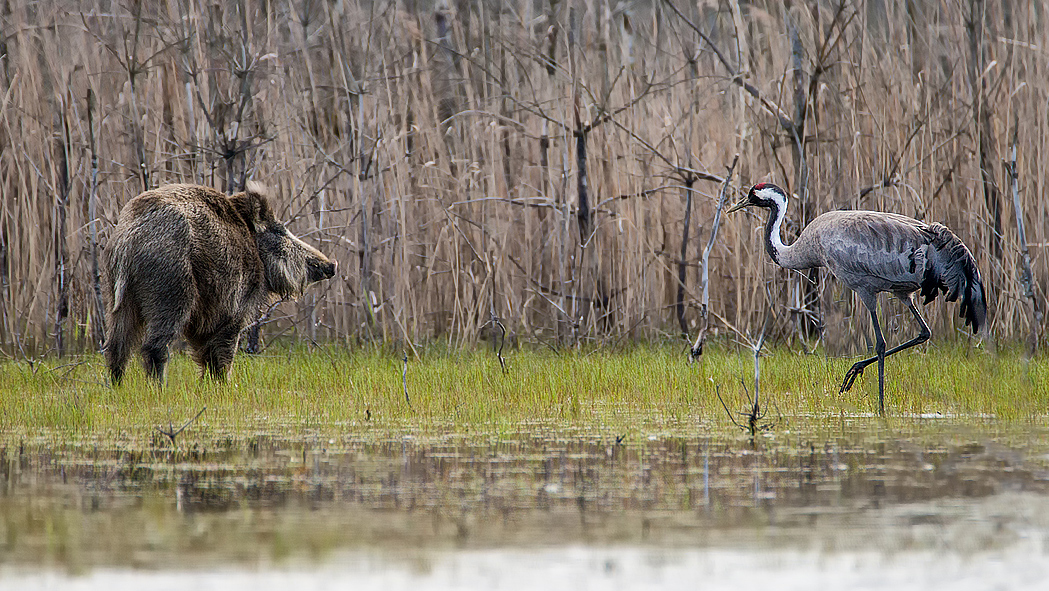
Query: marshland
524,200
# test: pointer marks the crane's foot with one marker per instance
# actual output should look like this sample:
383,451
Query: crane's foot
854,372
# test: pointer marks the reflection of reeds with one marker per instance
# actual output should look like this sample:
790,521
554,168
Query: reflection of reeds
854,497
440,166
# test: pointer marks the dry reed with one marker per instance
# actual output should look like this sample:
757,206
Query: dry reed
431,149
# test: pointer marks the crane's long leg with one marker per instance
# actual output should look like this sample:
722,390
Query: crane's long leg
859,366
922,336
871,301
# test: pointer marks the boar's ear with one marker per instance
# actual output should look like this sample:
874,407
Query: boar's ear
253,205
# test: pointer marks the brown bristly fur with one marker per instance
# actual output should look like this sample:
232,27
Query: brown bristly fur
189,261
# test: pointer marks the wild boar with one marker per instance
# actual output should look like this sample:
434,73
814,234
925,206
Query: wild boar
188,260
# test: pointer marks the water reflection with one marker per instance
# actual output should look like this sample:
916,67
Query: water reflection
245,498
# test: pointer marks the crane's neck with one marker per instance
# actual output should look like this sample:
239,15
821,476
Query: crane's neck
780,253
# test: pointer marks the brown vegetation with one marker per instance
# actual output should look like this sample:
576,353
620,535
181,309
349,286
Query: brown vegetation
528,162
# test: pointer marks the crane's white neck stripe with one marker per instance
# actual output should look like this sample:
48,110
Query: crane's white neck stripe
775,196
774,241
774,235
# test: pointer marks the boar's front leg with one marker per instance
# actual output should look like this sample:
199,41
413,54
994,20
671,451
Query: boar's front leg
163,325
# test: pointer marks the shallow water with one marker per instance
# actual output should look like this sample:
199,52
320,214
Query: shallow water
853,502
586,567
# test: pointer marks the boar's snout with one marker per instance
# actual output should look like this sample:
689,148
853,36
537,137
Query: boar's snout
291,264
320,268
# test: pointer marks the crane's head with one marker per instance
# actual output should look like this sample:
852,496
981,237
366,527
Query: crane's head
764,195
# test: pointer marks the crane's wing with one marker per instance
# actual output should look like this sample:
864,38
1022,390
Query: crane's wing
873,251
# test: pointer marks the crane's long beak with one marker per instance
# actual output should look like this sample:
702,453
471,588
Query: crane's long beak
739,205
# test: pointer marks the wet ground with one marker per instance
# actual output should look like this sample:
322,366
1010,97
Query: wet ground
854,503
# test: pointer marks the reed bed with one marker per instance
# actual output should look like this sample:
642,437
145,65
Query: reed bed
527,166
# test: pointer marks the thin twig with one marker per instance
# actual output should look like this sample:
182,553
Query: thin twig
697,348
172,433
1027,281
736,76
404,380
502,341
731,417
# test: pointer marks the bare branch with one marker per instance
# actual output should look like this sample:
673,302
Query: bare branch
172,433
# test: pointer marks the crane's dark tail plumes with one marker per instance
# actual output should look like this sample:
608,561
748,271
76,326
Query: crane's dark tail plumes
952,269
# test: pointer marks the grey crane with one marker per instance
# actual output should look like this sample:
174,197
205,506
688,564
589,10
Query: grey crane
871,252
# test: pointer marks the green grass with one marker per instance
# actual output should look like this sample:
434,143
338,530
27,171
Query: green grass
644,388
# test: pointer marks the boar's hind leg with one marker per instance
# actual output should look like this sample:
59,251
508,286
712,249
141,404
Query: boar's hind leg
216,354
125,331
